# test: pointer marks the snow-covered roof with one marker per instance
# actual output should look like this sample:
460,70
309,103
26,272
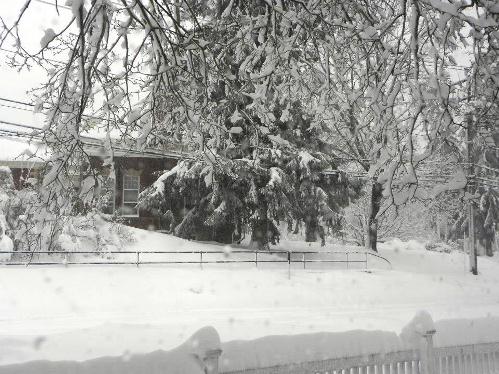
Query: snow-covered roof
21,153
95,147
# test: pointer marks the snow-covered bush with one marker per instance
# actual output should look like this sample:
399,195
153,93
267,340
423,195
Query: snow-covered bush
406,222
35,225
6,244
6,188
38,229
7,193
92,232
413,333
438,247
6,180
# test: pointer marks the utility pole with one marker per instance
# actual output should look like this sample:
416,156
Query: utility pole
470,135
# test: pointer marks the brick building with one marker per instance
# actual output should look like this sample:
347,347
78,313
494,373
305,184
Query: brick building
134,171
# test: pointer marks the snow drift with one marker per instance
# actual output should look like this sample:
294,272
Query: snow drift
192,357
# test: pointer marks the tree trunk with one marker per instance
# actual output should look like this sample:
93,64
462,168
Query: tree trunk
372,221
311,227
263,230
489,241
297,227
264,233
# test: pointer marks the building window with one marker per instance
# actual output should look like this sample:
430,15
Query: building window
131,189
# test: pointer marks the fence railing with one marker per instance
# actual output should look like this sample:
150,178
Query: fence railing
391,363
467,359
201,257
477,358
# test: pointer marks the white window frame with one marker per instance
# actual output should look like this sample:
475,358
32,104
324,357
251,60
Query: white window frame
123,202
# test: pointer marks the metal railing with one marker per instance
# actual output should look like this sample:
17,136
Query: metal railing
260,257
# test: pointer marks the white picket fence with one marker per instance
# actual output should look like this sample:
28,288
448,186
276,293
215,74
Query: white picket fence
394,362
473,359
467,359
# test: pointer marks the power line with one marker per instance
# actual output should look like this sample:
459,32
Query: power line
20,125
17,101
44,107
15,107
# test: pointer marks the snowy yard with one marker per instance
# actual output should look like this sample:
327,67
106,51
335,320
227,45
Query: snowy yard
310,124
82,312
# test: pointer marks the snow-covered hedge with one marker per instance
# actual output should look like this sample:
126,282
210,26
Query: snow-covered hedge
34,225
92,232
438,247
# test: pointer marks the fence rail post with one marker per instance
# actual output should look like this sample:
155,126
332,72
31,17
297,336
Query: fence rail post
289,264
427,353
211,361
138,258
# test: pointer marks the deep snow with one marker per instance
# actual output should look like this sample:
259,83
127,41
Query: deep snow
191,356
83,312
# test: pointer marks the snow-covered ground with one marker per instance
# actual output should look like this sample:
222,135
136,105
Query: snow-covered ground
82,312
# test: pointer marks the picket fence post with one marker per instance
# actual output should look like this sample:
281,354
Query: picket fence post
211,361
427,353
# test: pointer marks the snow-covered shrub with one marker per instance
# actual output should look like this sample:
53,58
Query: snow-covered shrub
6,180
6,244
438,247
406,222
6,188
34,225
92,232
413,333
7,194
